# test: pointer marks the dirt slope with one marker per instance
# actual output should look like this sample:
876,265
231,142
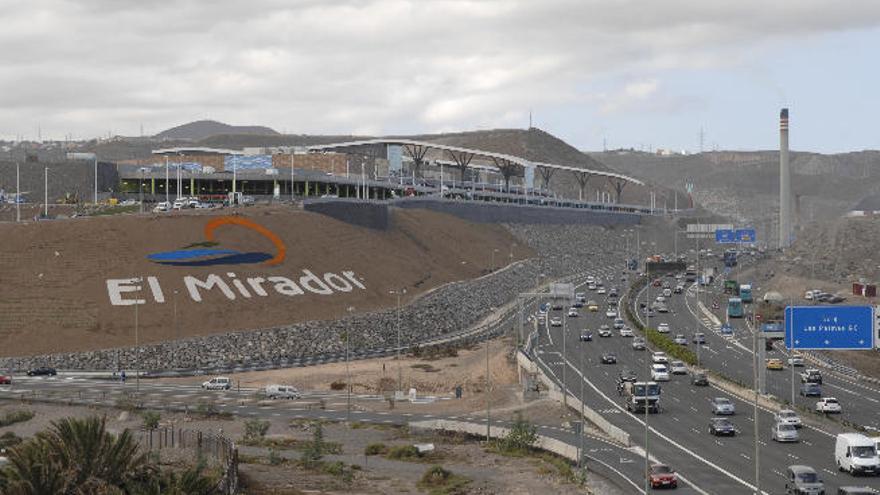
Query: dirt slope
53,275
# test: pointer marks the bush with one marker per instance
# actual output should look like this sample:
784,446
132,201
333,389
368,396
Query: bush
13,417
376,449
521,438
314,451
255,430
9,439
655,338
206,409
274,458
337,385
151,420
439,481
435,476
403,452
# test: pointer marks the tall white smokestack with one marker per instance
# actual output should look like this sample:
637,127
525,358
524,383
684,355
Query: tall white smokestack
784,183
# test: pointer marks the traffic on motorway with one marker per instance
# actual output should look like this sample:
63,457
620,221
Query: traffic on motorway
696,427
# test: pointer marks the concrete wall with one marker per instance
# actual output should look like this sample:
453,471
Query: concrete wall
484,212
370,214
74,177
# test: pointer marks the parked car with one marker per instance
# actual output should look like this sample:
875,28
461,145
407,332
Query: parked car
282,392
828,405
699,379
663,327
811,390
5,380
586,336
678,368
42,371
217,383
781,432
722,406
609,358
787,417
803,480
661,475
721,426
162,207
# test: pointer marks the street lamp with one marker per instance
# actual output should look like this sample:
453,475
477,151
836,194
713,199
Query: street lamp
398,292
350,309
488,394
492,268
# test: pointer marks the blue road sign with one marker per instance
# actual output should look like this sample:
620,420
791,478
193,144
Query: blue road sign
829,327
725,236
745,235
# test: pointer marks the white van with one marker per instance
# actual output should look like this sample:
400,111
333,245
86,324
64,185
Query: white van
856,453
282,392
217,383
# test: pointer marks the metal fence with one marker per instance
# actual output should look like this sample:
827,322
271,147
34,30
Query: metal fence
215,448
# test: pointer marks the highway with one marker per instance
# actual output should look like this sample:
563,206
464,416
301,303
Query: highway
678,435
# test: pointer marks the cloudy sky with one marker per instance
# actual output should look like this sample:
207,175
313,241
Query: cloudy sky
645,73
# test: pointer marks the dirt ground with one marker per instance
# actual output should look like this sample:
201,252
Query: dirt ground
54,292
487,472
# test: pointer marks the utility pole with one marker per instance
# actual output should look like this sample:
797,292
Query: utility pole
755,412
647,379
166,179
291,176
489,399
17,192
46,192
96,178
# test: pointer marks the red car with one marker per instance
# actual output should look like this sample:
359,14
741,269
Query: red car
663,476
5,380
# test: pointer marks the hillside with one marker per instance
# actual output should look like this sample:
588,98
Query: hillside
202,129
59,277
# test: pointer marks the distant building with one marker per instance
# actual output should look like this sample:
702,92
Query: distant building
868,206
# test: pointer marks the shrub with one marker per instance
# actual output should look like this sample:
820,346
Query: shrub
403,452
521,438
435,476
13,417
337,385
151,420
376,449
255,430
274,458
439,481
9,439
314,450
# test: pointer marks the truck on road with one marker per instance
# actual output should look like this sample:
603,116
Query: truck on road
639,395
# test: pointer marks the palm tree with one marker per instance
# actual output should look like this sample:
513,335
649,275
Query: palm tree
76,456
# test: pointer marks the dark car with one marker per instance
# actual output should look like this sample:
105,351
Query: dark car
5,380
699,379
627,375
721,426
42,371
609,358
586,336
811,390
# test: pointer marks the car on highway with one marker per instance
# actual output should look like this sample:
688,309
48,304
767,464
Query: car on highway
699,379
811,390
803,480
660,299
605,331
650,312
218,383
581,297
627,375
638,344
556,321
721,426
828,405
726,329
722,406
577,304
42,371
5,380
662,308
680,339
626,332
586,336
609,358
659,373
593,306
556,306
796,361
601,290
663,327
856,454
811,375
612,292
591,286
619,323
661,475
659,357
811,294
678,368
282,392
787,417
611,312
856,490
774,364
678,289
667,293
572,312
781,432
699,338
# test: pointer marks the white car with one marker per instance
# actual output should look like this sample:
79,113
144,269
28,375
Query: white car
659,373
600,290
626,332
660,299
282,392
680,339
678,368
591,287
787,417
663,328
605,331
828,405
217,383
611,313
659,357
556,321
572,313
619,323
161,207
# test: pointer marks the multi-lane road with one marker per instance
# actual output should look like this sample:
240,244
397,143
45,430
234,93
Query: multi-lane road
679,434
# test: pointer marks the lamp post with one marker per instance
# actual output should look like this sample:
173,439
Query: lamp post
488,394
398,292
755,411
492,268
17,193
46,192
96,178
350,309
166,179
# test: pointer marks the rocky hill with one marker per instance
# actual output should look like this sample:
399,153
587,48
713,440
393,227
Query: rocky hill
202,129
